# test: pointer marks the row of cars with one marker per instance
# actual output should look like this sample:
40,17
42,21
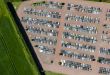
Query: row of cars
70,6
45,40
103,70
105,38
40,22
42,31
78,46
81,28
75,55
79,37
43,13
105,34
103,60
104,51
107,16
82,66
107,26
45,49
82,8
50,4
53,14
87,19
75,65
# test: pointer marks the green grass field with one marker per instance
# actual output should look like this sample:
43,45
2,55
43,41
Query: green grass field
16,4
15,58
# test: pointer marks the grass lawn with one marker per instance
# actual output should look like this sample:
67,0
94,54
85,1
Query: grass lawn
15,58
16,4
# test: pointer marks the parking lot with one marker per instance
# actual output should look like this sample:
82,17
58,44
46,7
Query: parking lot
69,38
